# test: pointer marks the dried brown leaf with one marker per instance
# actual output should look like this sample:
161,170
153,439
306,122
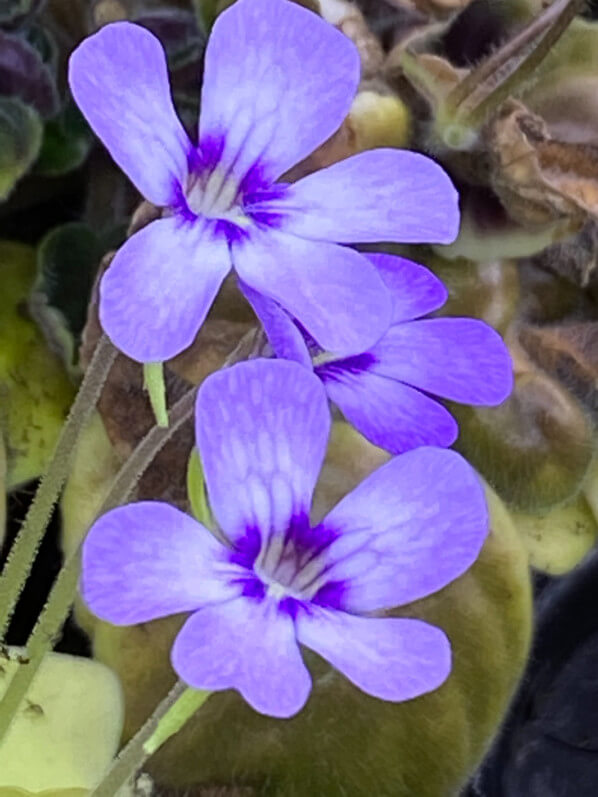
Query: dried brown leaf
537,177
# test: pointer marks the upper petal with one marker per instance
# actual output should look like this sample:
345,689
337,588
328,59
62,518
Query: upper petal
158,289
405,532
149,560
390,414
119,79
278,81
248,645
283,334
335,292
414,289
389,657
462,359
378,195
262,428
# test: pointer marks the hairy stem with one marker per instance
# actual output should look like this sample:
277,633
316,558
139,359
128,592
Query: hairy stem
27,542
60,600
169,717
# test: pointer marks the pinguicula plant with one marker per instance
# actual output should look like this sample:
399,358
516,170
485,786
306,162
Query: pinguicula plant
275,580
278,81
387,391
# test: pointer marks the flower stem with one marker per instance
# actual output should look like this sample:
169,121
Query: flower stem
171,714
62,595
27,542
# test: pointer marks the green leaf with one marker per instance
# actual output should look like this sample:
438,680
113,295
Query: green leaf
20,141
25,75
67,261
66,143
196,490
36,393
68,730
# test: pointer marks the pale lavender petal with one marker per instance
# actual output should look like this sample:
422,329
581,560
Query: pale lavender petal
378,195
390,414
248,645
278,81
262,427
410,528
149,560
415,290
119,79
389,657
156,293
462,359
283,334
333,291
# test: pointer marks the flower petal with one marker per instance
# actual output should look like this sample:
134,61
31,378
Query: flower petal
278,81
408,530
389,657
462,359
333,291
283,334
149,560
390,414
159,288
415,290
262,428
248,645
119,79
378,195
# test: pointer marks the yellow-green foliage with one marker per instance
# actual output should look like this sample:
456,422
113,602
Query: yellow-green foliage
68,729
345,742
35,393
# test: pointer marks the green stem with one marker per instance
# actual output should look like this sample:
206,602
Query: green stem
135,753
178,706
63,593
502,73
27,542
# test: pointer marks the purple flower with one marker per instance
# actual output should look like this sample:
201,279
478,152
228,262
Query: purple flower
385,391
406,531
278,81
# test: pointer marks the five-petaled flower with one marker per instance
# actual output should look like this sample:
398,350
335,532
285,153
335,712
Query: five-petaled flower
385,391
278,81
406,531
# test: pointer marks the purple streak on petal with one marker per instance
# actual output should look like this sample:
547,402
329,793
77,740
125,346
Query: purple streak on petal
410,528
262,428
462,359
387,657
278,82
390,414
158,289
149,560
378,195
119,80
336,369
415,290
333,291
285,338
248,645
